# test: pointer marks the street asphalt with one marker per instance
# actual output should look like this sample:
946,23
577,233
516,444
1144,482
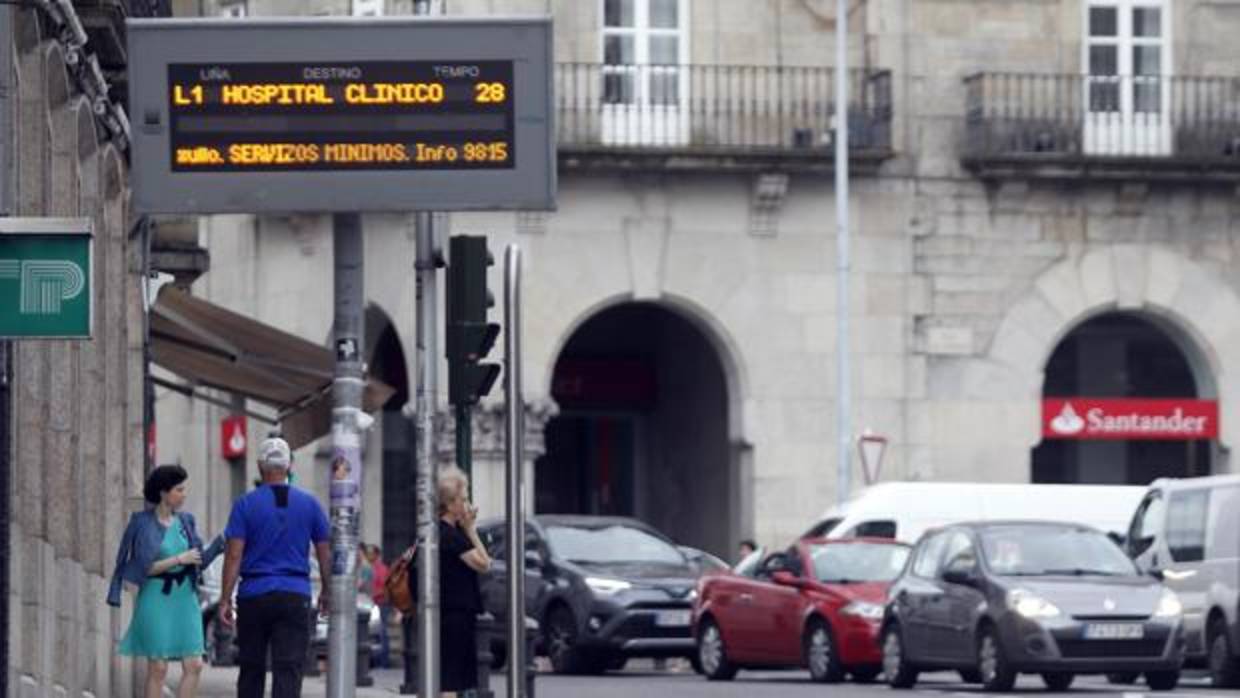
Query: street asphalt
646,682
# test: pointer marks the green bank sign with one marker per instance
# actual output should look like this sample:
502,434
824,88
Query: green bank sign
45,278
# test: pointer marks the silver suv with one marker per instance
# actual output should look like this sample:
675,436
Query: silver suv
1187,532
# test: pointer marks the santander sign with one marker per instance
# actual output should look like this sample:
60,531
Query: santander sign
1089,418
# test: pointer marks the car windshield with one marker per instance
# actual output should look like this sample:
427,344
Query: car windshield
1031,551
612,544
845,563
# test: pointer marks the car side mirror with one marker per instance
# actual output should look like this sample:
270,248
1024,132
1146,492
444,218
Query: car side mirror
533,560
1136,547
1157,573
960,575
787,579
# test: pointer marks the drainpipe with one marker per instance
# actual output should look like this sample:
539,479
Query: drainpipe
7,139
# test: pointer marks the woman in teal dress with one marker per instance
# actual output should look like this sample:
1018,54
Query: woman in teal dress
162,553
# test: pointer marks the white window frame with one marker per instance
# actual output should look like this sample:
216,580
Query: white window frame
641,121
1126,131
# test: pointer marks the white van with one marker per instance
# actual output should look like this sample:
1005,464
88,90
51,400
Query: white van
905,510
1188,532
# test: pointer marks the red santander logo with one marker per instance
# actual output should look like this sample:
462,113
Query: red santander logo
1099,418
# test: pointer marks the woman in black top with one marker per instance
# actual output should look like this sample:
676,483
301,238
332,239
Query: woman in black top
462,558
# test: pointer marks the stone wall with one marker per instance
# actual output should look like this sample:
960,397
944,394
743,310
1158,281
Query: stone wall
78,446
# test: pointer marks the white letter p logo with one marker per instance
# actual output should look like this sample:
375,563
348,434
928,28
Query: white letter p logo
45,283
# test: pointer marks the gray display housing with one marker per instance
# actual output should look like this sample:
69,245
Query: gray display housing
154,44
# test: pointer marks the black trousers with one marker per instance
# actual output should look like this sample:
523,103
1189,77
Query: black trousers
279,622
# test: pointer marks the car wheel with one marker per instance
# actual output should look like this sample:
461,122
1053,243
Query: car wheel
499,656
899,671
561,640
821,655
1224,665
695,662
1122,678
617,662
970,675
992,664
865,674
211,650
1058,682
1162,680
712,654
218,645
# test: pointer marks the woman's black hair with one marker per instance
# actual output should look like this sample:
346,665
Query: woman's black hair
162,479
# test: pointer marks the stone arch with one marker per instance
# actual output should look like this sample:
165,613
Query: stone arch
605,451
1191,302
59,85
391,523
713,329
87,158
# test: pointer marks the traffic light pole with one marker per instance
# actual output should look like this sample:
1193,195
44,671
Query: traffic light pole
464,441
346,451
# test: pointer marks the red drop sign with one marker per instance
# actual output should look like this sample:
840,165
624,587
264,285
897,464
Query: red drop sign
1114,419
233,440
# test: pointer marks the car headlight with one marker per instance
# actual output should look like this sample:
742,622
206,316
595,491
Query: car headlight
862,609
692,595
607,586
1169,605
1030,605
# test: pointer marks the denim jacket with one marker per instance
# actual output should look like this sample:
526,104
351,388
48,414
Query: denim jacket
139,550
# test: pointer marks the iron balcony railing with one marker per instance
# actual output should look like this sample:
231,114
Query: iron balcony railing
1055,117
717,109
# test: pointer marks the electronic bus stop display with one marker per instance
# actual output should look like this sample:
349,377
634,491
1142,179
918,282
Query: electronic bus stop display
341,115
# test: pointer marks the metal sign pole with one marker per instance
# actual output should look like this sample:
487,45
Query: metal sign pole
346,465
843,405
426,479
514,433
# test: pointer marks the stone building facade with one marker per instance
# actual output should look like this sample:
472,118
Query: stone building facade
75,460
1002,204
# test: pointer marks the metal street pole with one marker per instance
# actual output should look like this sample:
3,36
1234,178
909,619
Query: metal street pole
346,464
425,477
514,451
8,139
843,344
424,433
427,493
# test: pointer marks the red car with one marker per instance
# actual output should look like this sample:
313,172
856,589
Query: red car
817,605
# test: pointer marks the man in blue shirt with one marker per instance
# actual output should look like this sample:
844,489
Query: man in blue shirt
269,535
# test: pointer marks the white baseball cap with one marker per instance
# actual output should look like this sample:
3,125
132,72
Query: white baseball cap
275,452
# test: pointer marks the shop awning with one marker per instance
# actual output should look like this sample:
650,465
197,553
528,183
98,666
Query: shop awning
210,346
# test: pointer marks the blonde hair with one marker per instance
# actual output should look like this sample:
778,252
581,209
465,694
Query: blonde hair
452,482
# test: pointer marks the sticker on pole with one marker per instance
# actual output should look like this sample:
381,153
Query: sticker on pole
341,114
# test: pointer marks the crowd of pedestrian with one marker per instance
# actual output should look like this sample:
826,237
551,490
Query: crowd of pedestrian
271,533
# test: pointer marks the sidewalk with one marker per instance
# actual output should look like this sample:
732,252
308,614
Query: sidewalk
218,682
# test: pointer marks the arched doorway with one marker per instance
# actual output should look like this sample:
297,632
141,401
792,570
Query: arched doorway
643,427
387,364
1124,372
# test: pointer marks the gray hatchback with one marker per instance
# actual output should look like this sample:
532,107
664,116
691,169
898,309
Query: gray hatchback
996,599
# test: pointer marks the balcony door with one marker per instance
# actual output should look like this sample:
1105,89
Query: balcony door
645,81
1127,77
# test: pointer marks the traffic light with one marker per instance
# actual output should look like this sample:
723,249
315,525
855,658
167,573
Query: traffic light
469,335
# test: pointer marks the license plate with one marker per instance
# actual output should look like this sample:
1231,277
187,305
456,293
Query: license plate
1114,631
672,619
